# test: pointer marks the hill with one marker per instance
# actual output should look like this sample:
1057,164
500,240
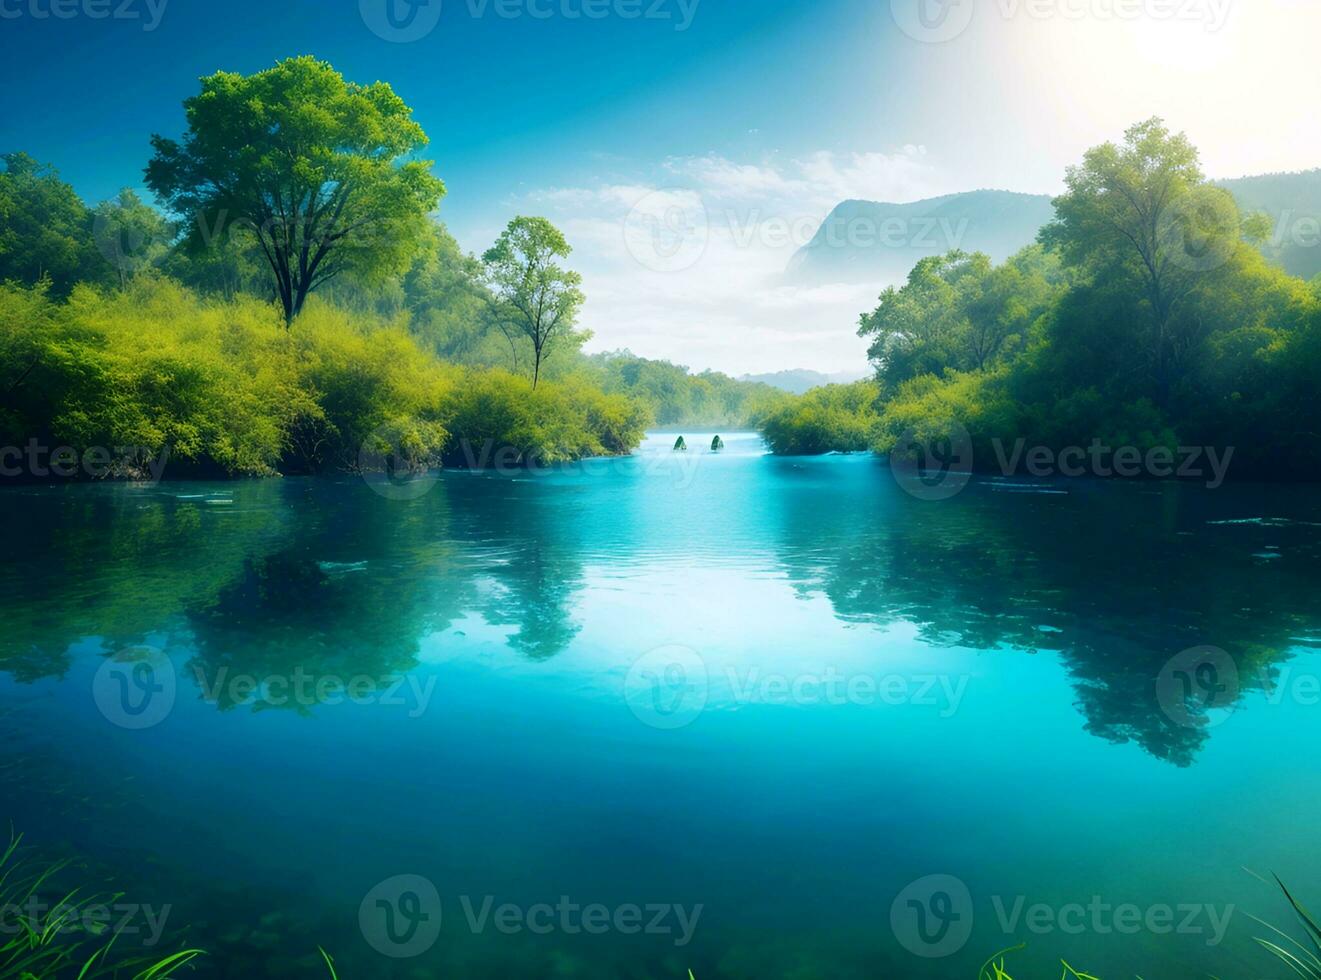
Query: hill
870,241
876,242
799,380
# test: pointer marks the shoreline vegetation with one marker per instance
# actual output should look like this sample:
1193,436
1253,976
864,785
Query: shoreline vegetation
51,930
298,310
1146,318
212,387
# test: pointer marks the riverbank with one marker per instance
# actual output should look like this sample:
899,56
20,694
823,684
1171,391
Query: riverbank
155,381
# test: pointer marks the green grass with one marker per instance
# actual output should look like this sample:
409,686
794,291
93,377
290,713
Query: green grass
57,945
1302,956
994,968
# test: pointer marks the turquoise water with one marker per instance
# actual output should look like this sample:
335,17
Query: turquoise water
758,701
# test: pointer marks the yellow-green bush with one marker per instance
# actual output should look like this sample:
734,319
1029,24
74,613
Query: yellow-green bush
499,419
832,418
226,389
930,410
153,367
369,385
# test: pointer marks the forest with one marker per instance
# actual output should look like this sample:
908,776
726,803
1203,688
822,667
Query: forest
295,307
1145,317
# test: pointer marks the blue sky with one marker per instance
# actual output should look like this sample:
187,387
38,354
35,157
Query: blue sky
509,102
751,110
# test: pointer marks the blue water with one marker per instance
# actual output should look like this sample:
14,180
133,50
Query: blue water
756,698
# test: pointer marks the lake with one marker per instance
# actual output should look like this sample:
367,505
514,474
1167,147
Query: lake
749,715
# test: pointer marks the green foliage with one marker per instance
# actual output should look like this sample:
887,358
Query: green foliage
1142,217
677,397
958,312
1148,319
226,264
181,391
1302,957
45,229
152,367
995,969
57,942
537,298
833,418
370,389
450,309
224,389
500,419
130,235
929,409
1291,204
311,165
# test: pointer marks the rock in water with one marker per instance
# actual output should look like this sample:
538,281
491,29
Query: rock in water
680,445
717,444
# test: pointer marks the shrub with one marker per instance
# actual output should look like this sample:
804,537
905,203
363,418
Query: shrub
226,389
833,418
497,418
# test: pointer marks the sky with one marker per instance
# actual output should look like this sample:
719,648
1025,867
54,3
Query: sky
688,147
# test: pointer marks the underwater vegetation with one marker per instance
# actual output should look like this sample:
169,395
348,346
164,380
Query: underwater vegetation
51,932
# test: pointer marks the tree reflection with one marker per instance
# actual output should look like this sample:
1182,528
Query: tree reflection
532,535
353,587
1116,579
329,579
118,563
319,579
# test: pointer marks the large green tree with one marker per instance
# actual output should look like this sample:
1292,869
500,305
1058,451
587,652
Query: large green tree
316,168
536,296
958,312
1141,217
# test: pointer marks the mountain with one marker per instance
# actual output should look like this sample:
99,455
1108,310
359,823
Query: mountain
867,241
1293,203
800,380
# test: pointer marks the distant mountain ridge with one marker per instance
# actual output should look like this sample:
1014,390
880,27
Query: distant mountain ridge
878,242
796,381
1293,203
871,241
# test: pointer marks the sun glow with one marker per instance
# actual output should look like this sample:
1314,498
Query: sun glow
1222,71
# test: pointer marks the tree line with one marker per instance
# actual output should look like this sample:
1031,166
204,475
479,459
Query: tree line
294,295
1145,315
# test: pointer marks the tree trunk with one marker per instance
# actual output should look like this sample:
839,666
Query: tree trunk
287,302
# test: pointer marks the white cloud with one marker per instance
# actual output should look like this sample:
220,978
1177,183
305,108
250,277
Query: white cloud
686,262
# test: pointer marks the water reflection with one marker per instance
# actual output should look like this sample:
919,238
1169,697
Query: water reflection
328,579
1116,579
